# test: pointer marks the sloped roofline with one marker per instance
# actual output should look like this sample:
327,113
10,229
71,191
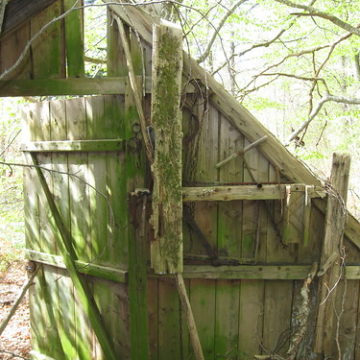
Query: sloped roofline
19,11
275,152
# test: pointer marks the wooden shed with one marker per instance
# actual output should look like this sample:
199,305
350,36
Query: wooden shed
153,174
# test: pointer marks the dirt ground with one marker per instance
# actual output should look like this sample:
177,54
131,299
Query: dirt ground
16,338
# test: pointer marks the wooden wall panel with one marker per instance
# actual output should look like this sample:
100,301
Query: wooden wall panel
48,54
11,47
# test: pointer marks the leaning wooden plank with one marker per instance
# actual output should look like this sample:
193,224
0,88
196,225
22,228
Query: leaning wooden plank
74,40
185,303
81,286
242,192
135,89
167,247
74,145
81,86
103,272
332,255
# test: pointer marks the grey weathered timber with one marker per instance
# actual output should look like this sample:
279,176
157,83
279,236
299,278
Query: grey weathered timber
103,272
76,86
332,255
167,247
74,145
244,192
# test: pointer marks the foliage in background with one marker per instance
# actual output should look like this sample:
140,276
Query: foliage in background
11,194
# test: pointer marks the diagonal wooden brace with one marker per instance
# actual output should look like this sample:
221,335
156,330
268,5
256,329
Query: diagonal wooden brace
80,285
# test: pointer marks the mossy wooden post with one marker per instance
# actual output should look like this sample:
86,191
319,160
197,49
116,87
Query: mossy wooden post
167,247
331,258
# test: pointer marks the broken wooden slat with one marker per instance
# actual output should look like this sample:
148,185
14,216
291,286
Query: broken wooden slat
307,215
293,214
80,86
244,192
81,286
135,89
241,152
74,145
332,249
167,247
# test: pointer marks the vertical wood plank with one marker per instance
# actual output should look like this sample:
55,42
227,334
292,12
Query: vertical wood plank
153,306
81,226
167,247
116,61
229,245
135,177
169,321
74,40
11,46
253,247
48,49
203,292
278,297
64,301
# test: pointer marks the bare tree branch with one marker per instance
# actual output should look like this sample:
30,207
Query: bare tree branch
357,65
311,11
315,112
263,44
206,53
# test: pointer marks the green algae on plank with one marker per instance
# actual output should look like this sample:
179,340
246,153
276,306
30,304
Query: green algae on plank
166,250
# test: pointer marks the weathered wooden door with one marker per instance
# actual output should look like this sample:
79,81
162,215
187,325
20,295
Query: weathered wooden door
79,144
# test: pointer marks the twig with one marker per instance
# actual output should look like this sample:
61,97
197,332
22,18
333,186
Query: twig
206,53
311,11
18,300
325,99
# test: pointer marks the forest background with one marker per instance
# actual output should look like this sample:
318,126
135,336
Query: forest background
294,65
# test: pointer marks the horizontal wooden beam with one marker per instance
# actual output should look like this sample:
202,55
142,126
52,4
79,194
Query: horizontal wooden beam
240,272
78,86
244,192
247,272
103,272
259,272
74,145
